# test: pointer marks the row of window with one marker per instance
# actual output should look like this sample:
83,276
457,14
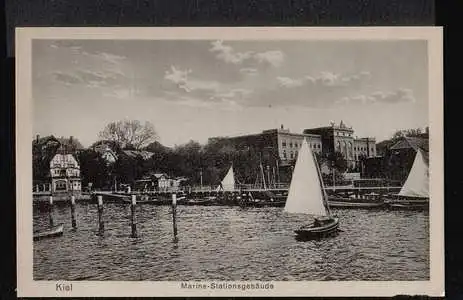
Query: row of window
296,145
363,149
292,155
343,134
63,173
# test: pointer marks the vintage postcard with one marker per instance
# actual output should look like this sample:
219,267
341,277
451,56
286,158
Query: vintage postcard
230,161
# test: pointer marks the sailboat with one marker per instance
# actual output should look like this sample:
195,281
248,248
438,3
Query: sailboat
228,182
414,194
307,196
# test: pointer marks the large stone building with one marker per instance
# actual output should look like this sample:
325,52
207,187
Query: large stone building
276,144
341,138
64,172
278,148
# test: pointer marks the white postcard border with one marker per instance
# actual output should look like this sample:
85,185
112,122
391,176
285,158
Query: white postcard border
24,107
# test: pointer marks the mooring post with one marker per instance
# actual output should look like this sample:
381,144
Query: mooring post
174,215
50,211
73,212
133,217
100,214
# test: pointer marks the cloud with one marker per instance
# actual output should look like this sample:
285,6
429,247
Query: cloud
66,78
398,96
120,93
274,58
89,78
249,71
235,94
227,54
105,57
289,82
323,90
326,79
112,58
182,81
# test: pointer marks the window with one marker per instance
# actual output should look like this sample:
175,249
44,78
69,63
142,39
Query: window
292,155
318,146
284,154
290,144
283,143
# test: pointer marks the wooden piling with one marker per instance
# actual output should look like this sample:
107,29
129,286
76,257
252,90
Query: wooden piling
50,211
174,215
100,214
133,217
73,212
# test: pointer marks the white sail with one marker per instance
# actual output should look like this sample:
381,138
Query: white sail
305,192
228,182
417,183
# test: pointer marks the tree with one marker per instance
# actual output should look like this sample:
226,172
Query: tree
415,132
93,168
337,161
130,133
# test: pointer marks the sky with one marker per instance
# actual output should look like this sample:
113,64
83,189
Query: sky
196,89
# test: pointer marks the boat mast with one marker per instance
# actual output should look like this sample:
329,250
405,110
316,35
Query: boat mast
325,197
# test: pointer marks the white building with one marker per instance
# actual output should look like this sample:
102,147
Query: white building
65,172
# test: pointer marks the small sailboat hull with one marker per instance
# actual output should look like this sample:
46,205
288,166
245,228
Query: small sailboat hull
201,202
319,228
405,204
359,205
52,232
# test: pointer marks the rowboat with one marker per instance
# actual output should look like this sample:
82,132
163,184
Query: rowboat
51,232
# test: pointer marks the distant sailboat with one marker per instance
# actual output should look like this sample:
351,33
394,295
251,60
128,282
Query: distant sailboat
307,196
414,194
228,182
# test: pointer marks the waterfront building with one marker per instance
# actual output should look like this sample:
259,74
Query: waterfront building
107,150
340,138
65,172
275,144
159,182
282,145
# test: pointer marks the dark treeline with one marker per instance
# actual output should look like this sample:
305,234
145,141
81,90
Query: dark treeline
206,164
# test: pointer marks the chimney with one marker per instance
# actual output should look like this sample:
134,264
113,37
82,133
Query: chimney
37,137
282,126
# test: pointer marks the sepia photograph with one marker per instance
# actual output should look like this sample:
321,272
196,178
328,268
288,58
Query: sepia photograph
229,162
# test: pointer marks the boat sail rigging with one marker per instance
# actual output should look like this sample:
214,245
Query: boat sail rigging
417,183
306,194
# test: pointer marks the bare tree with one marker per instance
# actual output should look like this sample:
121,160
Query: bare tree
130,133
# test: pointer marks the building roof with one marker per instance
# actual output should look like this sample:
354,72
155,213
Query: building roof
412,142
138,154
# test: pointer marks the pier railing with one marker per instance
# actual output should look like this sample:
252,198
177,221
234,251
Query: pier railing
254,187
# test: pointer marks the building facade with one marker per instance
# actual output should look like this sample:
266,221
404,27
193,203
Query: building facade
340,138
276,144
65,172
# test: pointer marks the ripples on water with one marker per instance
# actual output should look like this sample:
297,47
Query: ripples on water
230,243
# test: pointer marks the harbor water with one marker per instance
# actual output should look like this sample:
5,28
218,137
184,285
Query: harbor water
230,243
